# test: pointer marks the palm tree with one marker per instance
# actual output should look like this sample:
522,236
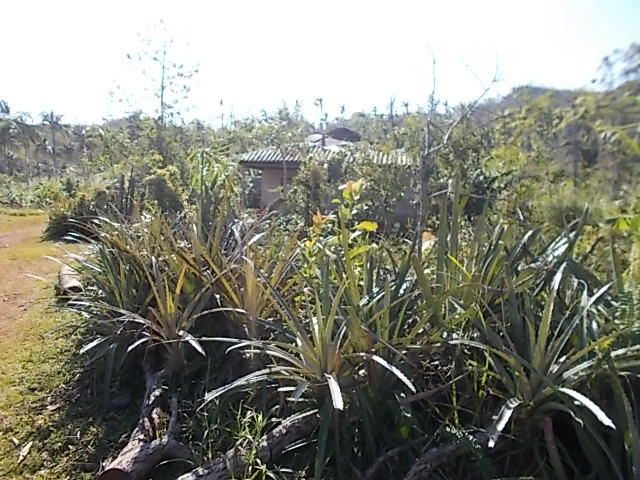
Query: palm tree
14,129
53,121
86,141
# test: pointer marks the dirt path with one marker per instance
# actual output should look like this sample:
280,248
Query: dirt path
23,254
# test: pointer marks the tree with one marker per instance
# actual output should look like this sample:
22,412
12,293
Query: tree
166,80
53,122
14,131
87,141
437,133
619,67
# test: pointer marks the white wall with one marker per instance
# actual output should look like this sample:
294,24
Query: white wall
272,180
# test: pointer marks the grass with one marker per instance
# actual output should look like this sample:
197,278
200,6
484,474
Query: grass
21,212
35,368
29,251
10,221
51,425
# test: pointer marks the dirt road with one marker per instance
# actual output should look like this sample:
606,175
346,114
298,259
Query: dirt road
23,254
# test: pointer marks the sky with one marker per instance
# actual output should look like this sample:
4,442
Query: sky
71,56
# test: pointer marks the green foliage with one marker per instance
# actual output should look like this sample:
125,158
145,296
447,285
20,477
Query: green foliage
12,194
48,193
69,187
69,217
510,324
310,191
491,328
564,206
163,188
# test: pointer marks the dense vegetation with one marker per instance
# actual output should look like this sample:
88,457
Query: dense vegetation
493,335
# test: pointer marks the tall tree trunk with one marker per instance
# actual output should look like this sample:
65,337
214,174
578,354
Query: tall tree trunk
53,151
5,159
425,161
28,173
574,156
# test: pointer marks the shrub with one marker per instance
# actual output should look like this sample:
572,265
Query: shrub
561,207
491,338
70,217
48,193
15,194
70,187
165,190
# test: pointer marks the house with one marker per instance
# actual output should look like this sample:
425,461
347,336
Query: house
277,166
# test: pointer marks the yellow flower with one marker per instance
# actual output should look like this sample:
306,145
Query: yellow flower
319,219
354,187
351,189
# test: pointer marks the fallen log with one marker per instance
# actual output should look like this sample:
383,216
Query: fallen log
234,463
144,449
436,456
68,282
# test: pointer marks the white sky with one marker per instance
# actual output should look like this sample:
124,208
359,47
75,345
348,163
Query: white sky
67,55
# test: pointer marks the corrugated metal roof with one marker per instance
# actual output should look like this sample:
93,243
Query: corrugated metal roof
296,154
394,157
271,155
